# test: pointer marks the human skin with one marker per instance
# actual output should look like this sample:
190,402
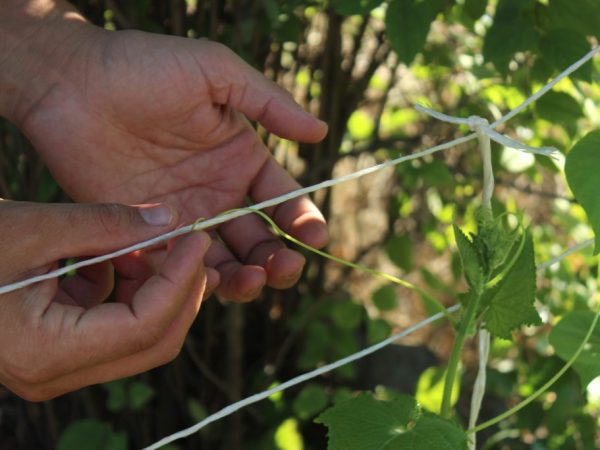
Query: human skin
59,336
132,117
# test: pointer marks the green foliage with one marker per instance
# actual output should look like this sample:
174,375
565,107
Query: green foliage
407,24
384,298
560,47
509,304
582,168
469,257
128,393
352,7
566,337
311,400
92,435
559,107
399,250
365,423
511,32
581,15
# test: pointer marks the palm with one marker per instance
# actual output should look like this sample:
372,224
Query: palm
147,118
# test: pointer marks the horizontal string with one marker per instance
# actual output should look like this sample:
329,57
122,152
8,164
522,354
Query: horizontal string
291,195
217,220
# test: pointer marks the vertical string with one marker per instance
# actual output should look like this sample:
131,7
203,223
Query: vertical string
484,335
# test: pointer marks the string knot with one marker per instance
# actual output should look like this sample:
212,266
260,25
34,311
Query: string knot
477,123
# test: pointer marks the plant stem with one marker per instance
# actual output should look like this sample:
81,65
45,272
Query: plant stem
467,320
427,297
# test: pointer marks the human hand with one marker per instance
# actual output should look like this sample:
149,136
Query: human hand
60,336
134,117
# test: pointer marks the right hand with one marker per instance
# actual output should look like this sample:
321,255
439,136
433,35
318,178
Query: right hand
59,336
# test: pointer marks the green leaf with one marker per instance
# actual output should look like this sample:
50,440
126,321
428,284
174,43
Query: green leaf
384,298
355,7
561,47
430,433
580,15
117,396
140,394
377,330
407,24
288,436
364,423
347,315
399,250
311,400
469,258
509,304
567,336
510,33
475,8
91,435
558,107
582,168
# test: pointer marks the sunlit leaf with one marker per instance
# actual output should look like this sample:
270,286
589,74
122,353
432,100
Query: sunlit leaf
430,389
288,437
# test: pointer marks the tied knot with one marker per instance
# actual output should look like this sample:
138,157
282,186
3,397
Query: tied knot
477,123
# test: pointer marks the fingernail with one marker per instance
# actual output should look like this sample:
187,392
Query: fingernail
157,215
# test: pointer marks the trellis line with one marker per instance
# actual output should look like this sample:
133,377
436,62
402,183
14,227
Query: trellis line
294,194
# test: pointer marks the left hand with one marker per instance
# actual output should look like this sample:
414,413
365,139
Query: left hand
142,118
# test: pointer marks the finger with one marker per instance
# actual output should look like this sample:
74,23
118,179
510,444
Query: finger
233,82
132,271
237,282
299,217
164,351
115,330
254,244
55,231
90,286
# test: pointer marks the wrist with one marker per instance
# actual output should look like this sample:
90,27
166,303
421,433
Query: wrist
38,38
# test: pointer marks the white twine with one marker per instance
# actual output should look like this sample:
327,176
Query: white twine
480,382
228,410
325,184
231,215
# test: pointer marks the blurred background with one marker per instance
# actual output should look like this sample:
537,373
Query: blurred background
361,65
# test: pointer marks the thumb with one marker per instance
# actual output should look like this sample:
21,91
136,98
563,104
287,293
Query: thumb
73,230
233,82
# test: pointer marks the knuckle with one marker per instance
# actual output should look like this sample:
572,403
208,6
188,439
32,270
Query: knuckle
111,216
149,337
